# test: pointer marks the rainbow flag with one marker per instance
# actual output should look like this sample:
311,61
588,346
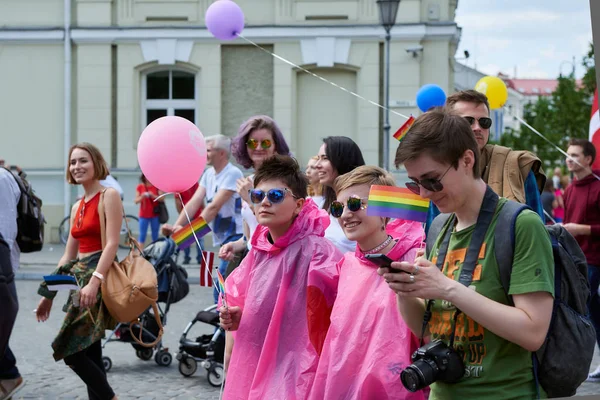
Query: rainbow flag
221,287
400,133
185,236
396,202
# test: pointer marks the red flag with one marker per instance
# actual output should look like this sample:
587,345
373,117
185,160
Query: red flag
595,130
206,267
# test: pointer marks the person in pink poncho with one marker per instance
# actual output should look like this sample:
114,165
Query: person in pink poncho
279,299
368,344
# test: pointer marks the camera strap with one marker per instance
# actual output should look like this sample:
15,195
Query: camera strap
484,219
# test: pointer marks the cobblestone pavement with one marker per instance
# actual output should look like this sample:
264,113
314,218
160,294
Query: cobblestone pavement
130,377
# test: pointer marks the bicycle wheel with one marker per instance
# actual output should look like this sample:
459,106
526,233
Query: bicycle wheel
134,227
63,230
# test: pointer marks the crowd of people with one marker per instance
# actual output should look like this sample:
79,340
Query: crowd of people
324,300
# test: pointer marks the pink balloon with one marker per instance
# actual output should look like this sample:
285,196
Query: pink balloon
172,154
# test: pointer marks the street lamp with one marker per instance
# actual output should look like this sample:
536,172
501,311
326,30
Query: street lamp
387,18
567,62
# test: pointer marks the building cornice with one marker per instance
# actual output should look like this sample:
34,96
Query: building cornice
52,35
260,34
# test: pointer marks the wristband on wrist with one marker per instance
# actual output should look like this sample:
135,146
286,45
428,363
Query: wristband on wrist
98,275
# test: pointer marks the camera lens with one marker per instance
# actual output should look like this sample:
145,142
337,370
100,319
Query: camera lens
411,379
419,375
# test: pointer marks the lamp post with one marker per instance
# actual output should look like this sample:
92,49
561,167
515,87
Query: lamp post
567,62
387,18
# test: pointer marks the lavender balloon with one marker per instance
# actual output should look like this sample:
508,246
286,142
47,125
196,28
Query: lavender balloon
224,19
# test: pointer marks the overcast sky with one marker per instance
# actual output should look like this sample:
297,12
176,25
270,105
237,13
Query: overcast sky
535,36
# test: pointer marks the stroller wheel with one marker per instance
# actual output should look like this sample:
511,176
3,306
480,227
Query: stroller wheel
216,375
145,354
187,366
163,358
107,363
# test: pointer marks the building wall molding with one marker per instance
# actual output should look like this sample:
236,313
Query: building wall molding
260,34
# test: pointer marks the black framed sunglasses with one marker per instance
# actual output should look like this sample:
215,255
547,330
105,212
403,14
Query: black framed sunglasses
484,122
433,185
264,144
354,203
275,195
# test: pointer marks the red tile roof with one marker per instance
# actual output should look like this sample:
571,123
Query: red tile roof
533,87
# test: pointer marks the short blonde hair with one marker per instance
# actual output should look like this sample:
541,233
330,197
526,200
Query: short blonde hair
100,166
363,175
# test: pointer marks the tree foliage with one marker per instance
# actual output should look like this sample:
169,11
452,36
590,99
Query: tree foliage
559,117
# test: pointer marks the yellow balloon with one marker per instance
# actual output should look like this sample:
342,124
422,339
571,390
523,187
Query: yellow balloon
495,90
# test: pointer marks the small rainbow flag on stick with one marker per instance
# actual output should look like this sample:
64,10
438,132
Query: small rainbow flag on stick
221,286
396,202
400,133
185,236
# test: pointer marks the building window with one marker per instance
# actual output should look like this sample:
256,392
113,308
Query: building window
535,90
169,92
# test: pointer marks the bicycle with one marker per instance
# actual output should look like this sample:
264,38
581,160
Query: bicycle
134,225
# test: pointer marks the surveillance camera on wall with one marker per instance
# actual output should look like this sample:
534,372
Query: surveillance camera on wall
414,50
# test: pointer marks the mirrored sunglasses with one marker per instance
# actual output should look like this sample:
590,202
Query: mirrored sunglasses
484,122
264,144
275,196
433,185
354,203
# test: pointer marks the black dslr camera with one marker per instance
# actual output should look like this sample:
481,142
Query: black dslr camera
433,362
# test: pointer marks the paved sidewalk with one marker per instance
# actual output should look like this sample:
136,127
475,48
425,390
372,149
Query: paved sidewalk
34,266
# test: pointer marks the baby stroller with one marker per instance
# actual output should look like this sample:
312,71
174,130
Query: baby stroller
208,350
172,287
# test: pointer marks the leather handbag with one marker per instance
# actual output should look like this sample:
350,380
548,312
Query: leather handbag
130,286
163,213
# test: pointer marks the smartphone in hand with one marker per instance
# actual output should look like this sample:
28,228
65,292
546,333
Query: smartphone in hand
382,261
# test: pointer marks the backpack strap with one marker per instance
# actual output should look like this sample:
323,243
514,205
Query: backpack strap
504,245
434,231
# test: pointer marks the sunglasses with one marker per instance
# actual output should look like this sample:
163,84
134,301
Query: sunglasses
484,122
433,185
275,196
354,204
264,144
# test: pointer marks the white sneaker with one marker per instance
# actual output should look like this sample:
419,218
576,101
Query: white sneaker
594,376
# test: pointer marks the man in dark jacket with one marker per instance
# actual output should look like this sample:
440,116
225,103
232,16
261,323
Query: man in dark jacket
582,220
10,378
8,295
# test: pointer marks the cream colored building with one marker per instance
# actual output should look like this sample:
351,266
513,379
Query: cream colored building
100,70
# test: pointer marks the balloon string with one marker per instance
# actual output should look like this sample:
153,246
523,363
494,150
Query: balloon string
521,120
189,221
215,281
321,78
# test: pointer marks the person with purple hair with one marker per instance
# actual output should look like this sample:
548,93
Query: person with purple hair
258,139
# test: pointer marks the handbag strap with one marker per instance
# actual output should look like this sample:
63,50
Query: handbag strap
160,329
102,215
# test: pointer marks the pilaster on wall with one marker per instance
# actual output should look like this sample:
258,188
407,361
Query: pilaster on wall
93,105
93,12
128,103
207,57
284,89
365,57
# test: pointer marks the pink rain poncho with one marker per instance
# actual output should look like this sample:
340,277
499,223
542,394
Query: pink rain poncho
368,343
286,291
